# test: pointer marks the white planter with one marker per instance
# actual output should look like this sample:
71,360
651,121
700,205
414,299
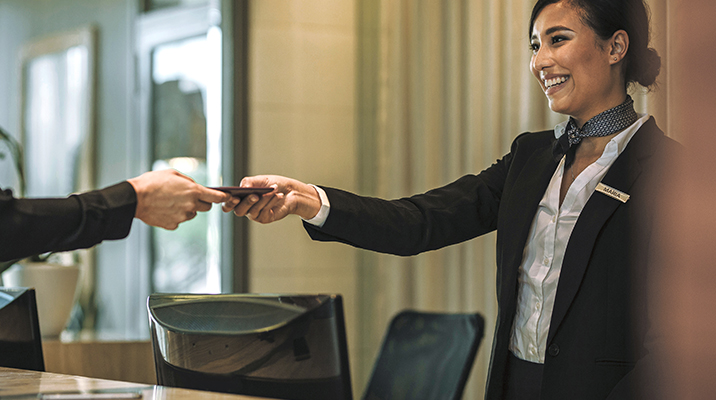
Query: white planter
55,286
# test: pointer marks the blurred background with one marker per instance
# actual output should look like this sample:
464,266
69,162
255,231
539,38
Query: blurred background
382,97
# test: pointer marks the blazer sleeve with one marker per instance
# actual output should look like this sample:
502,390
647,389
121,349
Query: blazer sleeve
459,211
35,226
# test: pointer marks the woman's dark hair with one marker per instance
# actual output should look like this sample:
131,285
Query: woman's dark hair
642,63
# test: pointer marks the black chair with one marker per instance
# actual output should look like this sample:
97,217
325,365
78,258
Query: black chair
280,346
20,341
425,356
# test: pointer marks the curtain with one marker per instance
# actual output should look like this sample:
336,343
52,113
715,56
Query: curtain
443,87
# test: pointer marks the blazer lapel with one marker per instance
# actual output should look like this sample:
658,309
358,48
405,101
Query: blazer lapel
522,206
599,207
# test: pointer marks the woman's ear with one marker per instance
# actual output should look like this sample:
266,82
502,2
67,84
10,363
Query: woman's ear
619,44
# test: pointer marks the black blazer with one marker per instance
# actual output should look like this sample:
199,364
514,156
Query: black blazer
598,323
35,226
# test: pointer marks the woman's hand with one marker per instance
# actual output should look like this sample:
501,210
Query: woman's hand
167,198
288,197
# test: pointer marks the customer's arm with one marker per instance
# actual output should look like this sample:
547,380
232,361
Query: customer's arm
159,198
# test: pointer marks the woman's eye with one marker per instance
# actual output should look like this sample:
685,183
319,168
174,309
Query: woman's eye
557,39
534,47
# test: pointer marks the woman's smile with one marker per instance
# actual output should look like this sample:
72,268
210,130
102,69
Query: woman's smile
553,84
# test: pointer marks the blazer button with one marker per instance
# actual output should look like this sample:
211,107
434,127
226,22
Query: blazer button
553,350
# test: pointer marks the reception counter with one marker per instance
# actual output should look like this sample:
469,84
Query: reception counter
132,361
18,384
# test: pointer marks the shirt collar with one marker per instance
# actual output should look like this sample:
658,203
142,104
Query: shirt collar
618,143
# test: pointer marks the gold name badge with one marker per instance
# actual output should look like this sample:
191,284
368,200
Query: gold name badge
611,192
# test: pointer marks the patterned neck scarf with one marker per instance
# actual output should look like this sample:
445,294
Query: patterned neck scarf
603,124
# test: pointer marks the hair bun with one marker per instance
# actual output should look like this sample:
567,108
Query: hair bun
649,68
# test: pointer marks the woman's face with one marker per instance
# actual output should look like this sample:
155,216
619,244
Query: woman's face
573,65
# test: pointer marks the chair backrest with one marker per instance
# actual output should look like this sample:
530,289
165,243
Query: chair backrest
282,346
425,356
20,341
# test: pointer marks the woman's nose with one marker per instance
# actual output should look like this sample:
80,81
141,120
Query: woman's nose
540,60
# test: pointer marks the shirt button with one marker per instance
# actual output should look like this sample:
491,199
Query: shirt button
537,306
545,261
554,219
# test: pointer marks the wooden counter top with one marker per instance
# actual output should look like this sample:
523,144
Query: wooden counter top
18,384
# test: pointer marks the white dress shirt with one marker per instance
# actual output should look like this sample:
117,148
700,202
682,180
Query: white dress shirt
544,251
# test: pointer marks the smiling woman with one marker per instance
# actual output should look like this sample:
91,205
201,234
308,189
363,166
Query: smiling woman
572,257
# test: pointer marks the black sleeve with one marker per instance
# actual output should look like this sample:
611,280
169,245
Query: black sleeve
459,211
35,226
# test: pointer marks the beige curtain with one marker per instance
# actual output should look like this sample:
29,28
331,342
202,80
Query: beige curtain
442,89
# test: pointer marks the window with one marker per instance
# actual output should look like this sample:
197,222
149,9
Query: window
181,117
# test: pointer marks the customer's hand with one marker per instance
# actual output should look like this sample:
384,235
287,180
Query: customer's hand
167,198
288,197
